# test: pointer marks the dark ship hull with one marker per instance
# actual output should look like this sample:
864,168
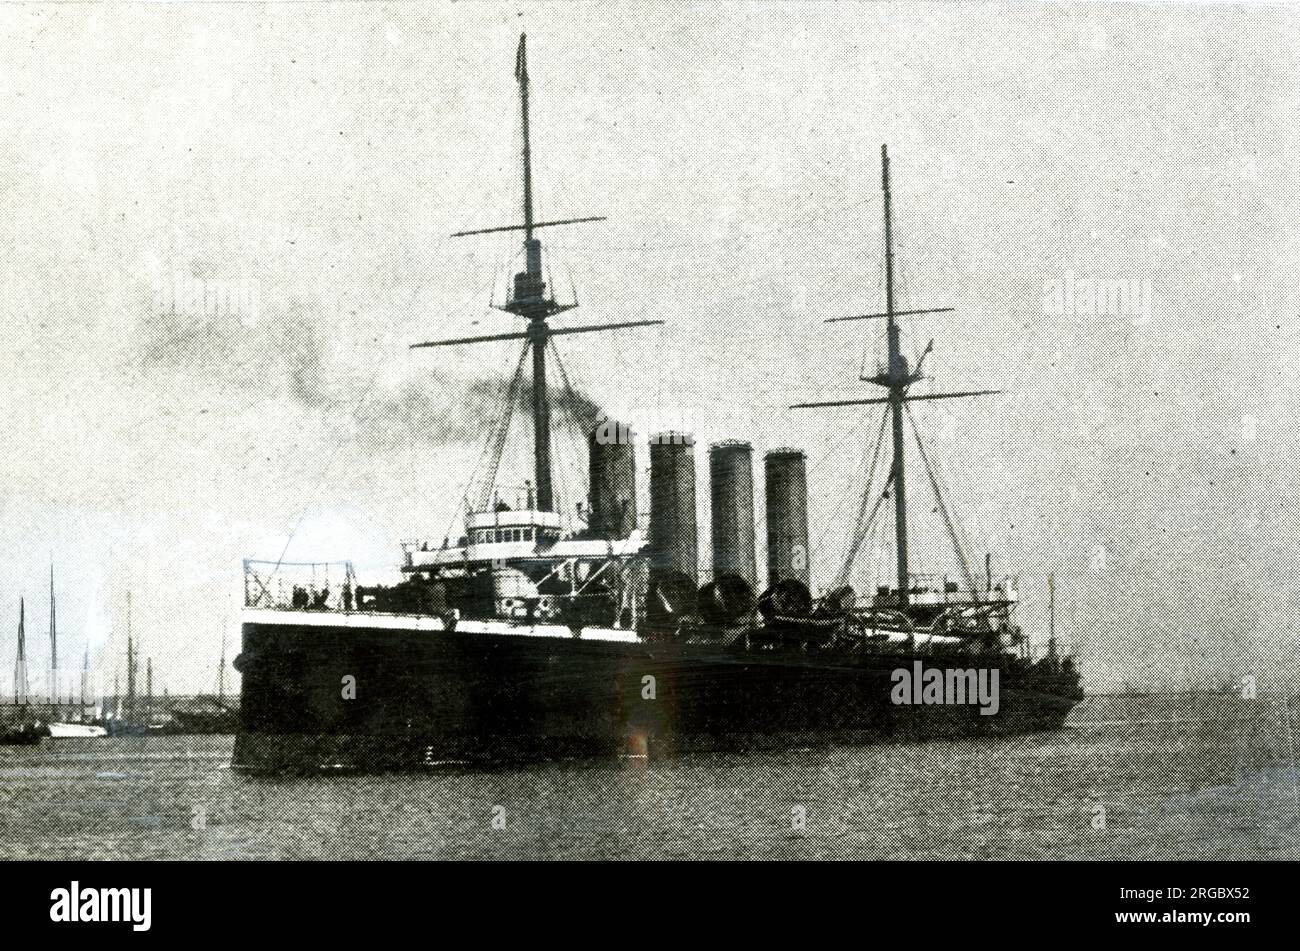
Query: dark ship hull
21,734
427,697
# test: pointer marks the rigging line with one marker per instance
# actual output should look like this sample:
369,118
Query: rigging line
903,275
880,529
872,346
846,570
579,420
465,220
478,293
861,534
473,474
566,403
861,528
574,455
581,427
846,565
497,439
943,505
559,476
568,386
820,544
500,429
568,485
823,454
571,405
946,486
504,268
502,419
817,212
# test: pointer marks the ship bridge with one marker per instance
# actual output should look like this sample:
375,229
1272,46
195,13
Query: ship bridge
510,535
533,568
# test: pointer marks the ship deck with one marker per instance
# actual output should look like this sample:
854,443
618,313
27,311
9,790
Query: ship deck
422,622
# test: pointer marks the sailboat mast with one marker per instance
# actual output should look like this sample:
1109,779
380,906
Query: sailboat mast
130,664
20,665
54,643
898,382
221,671
1051,616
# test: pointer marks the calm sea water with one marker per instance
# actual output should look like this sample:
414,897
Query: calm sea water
1175,780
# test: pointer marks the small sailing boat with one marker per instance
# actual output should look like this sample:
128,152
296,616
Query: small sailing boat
67,730
130,722
62,728
215,715
22,731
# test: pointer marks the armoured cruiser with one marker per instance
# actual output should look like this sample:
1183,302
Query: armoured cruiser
528,637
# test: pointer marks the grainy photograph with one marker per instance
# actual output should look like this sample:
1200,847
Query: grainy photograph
723,431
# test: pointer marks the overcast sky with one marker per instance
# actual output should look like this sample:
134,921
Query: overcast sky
310,161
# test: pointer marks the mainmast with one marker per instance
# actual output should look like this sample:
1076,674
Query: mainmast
896,377
529,300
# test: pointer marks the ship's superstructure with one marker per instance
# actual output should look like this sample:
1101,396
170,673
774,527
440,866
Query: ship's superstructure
524,635
516,549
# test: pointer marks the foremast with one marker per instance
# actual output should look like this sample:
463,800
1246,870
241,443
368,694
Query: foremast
529,299
896,379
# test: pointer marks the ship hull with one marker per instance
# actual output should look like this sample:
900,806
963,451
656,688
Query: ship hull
381,698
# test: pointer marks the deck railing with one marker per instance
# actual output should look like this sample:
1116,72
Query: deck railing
300,585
